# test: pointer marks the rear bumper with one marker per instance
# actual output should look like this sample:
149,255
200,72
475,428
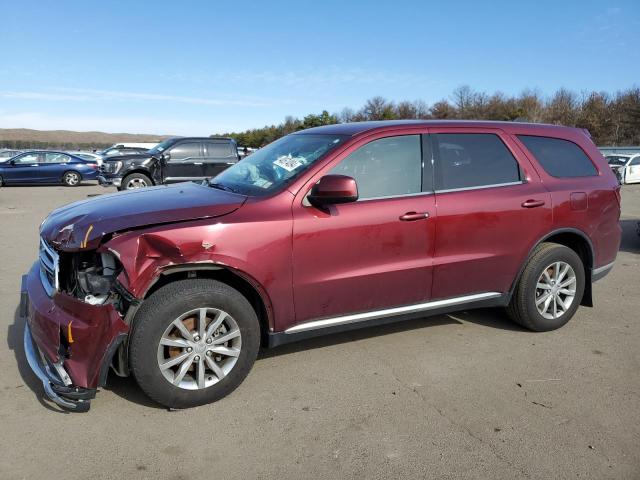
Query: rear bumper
69,344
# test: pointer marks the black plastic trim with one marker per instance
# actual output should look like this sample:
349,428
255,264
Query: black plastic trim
108,357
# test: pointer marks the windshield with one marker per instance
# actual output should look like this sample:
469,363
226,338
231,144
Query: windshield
617,160
161,147
271,168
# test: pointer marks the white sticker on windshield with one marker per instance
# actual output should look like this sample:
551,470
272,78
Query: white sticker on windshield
288,162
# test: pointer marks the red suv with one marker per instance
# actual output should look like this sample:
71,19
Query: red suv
324,230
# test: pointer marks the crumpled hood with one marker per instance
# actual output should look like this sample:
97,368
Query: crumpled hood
81,225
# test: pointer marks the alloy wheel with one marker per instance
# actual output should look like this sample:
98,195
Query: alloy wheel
136,183
555,290
72,178
199,348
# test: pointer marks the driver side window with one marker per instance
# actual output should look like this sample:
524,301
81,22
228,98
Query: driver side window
387,167
28,159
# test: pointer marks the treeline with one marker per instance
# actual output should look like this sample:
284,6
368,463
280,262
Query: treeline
612,119
53,145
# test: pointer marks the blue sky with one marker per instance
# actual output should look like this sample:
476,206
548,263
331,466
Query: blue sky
202,67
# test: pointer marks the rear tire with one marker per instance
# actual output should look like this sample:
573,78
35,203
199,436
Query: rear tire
71,178
135,180
549,290
167,330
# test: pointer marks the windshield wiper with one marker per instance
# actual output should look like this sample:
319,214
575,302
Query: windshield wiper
220,186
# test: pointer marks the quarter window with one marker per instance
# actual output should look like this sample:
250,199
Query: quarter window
184,151
387,167
560,158
472,160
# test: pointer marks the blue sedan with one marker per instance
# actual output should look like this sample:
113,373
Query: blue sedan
47,167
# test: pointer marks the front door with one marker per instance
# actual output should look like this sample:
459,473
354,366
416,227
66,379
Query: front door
492,207
372,254
185,162
25,168
218,156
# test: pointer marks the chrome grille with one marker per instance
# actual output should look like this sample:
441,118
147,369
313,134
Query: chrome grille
48,267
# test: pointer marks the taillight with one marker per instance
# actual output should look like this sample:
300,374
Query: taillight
618,196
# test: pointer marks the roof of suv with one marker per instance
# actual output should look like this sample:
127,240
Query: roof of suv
356,128
199,138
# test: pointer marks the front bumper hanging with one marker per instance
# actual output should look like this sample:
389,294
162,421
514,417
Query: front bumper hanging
55,380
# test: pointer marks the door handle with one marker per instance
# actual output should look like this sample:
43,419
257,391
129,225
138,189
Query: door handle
197,163
413,216
532,203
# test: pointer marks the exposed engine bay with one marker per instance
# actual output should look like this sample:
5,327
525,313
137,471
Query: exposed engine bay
90,277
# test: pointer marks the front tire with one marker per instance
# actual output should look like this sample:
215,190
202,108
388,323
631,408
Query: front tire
135,180
193,342
550,288
71,178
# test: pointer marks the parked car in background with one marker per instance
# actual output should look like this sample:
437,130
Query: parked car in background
324,230
6,153
174,160
626,167
89,156
47,167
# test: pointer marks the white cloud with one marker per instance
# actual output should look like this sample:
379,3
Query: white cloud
88,95
130,124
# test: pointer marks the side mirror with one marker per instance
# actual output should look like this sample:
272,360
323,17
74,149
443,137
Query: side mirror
333,189
166,156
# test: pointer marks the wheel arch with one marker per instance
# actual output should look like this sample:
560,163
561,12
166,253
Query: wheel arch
141,171
579,242
244,283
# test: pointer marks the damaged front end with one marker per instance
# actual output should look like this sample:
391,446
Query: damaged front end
75,311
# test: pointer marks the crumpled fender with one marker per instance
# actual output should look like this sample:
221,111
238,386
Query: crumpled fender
145,256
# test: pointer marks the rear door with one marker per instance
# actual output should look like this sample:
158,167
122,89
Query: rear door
185,163
54,166
218,155
491,209
25,168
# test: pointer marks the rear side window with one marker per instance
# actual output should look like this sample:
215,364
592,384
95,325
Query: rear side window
472,160
218,149
560,158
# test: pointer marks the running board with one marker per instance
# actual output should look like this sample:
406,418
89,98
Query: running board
379,317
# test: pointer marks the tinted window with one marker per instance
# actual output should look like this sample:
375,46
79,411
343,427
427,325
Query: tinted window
635,161
27,159
218,149
386,167
56,158
185,150
467,160
560,158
